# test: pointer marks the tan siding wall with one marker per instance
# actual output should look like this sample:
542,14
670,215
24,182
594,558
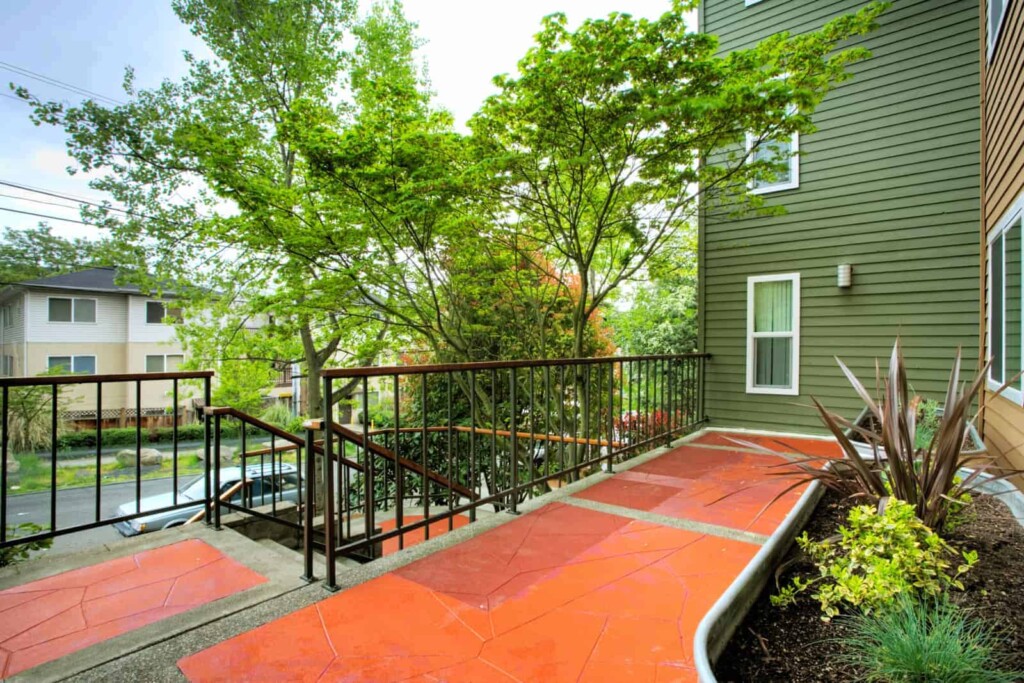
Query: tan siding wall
1003,116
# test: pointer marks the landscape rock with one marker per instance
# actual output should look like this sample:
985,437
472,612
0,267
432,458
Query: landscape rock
227,454
13,466
148,457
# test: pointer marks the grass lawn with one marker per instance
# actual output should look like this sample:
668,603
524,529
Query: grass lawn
34,473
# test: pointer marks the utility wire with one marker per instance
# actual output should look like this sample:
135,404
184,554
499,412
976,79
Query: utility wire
53,81
36,201
52,218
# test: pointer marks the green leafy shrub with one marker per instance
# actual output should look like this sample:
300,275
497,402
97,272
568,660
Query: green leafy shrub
277,414
19,553
930,640
876,557
125,436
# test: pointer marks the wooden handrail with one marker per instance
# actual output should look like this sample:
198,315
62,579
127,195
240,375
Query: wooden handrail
224,497
500,432
377,449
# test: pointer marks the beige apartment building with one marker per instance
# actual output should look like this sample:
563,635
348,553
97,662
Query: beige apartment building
84,322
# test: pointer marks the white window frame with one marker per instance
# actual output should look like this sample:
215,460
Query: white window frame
164,356
73,356
7,315
794,167
794,388
73,299
165,308
994,27
6,365
1002,226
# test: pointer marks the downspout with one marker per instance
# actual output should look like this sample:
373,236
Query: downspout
983,221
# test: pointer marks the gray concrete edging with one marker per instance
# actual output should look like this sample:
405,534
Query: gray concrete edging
718,625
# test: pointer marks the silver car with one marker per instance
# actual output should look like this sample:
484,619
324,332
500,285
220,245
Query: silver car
263,486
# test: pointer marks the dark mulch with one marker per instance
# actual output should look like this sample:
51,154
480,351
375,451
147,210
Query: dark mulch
794,644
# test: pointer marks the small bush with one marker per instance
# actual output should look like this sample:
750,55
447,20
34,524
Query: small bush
931,640
20,553
877,557
277,414
125,436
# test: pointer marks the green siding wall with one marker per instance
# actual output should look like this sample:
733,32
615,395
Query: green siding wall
890,184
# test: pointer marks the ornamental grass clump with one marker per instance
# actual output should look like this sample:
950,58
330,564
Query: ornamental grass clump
926,476
876,557
929,640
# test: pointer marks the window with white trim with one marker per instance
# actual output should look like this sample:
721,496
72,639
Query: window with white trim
164,362
67,310
773,334
7,316
157,311
73,364
995,12
771,151
1005,323
7,366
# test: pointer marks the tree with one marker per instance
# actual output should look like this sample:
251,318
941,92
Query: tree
612,137
659,315
209,183
36,253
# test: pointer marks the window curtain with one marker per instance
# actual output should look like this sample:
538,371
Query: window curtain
773,312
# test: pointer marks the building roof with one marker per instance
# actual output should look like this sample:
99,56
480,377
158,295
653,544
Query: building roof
89,280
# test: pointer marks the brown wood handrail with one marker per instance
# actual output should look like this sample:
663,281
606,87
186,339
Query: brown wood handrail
224,497
47,380
377,449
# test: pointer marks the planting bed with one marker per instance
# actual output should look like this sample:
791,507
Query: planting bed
794,644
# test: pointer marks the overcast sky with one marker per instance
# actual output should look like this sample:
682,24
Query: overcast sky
89,44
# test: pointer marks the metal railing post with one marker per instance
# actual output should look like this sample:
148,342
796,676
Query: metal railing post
611,416
513,507
216,473
206,446
329,529
4,435
309,503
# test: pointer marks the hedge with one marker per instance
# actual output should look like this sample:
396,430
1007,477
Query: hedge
117,436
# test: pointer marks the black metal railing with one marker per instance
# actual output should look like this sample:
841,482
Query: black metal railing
33,424
449,439
279,470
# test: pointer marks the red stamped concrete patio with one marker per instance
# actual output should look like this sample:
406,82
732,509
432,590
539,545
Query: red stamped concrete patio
47,619
608,584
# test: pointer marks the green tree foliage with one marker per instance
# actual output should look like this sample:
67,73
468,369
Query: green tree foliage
598,149
210,183
36,253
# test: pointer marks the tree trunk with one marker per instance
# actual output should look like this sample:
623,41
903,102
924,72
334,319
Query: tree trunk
314,394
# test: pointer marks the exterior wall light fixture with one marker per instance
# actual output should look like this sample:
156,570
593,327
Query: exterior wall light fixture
844,276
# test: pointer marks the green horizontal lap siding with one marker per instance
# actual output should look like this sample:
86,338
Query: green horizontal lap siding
888,183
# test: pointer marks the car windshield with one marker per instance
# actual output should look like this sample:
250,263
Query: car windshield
195,489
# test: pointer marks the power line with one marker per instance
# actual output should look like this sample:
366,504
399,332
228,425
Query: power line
36,201
55,82
52,218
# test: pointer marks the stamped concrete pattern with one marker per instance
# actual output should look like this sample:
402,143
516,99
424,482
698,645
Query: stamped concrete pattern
47,619
565,593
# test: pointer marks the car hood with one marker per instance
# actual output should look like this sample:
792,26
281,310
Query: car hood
160,500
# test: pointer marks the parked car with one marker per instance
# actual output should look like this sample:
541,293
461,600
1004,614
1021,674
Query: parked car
263,486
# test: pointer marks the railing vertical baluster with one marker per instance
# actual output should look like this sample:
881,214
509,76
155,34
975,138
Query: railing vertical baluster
611,415
474,484
561,418
246,492
216,472
451,519
174,438
423,444
274,478
53,460
399,472
587,403
547,419
533,438
494,487
514,460
138,445
4,436
99,453
671,401
206,446
308,497
368,474
622,383
329,533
